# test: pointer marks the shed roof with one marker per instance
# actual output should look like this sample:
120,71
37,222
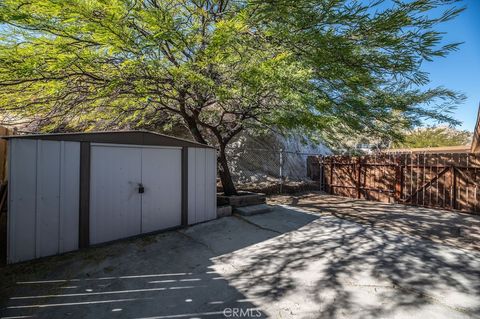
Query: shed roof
117,137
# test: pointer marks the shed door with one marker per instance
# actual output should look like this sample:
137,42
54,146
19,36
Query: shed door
115,205
117,208
162,199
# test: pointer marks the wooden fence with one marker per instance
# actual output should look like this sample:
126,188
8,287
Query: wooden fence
449,181
3,153
3,194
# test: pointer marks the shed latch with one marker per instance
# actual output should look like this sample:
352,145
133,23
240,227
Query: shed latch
141,189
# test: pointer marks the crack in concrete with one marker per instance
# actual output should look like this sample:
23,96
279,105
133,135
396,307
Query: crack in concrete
256,225
197,241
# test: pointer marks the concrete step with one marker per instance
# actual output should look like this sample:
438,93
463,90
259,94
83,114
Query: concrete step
242,199
252,210
224,211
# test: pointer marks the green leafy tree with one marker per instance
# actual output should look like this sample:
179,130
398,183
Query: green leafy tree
435,137
219,67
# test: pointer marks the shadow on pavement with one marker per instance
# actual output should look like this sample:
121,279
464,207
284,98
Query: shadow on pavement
168,275
287,264
453,228
334,268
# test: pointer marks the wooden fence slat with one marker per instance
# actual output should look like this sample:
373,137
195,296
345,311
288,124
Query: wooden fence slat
3,153
398,180
448,181
428,184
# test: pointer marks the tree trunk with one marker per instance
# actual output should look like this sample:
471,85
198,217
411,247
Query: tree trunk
223,169
224,172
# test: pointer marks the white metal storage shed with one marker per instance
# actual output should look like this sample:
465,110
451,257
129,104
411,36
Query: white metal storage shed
70,191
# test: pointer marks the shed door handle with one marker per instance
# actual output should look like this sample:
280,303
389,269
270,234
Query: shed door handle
141,189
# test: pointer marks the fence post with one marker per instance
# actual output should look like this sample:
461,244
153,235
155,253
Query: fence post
454,186
398,180
332,166
281,171
359,176
320,173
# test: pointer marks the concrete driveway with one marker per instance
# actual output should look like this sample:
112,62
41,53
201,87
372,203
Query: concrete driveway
285,264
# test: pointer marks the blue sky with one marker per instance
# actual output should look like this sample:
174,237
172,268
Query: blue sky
460,70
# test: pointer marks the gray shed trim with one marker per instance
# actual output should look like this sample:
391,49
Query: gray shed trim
84,207
185,186
116,137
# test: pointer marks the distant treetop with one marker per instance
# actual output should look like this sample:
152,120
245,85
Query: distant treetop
435,137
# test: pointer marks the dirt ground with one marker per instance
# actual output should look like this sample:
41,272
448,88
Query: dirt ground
442,226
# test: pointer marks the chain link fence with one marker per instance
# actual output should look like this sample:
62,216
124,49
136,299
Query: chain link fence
271,171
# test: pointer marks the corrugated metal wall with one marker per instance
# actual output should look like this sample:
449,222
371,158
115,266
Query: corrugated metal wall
202,185
115,205
44,193
43,197
162,179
